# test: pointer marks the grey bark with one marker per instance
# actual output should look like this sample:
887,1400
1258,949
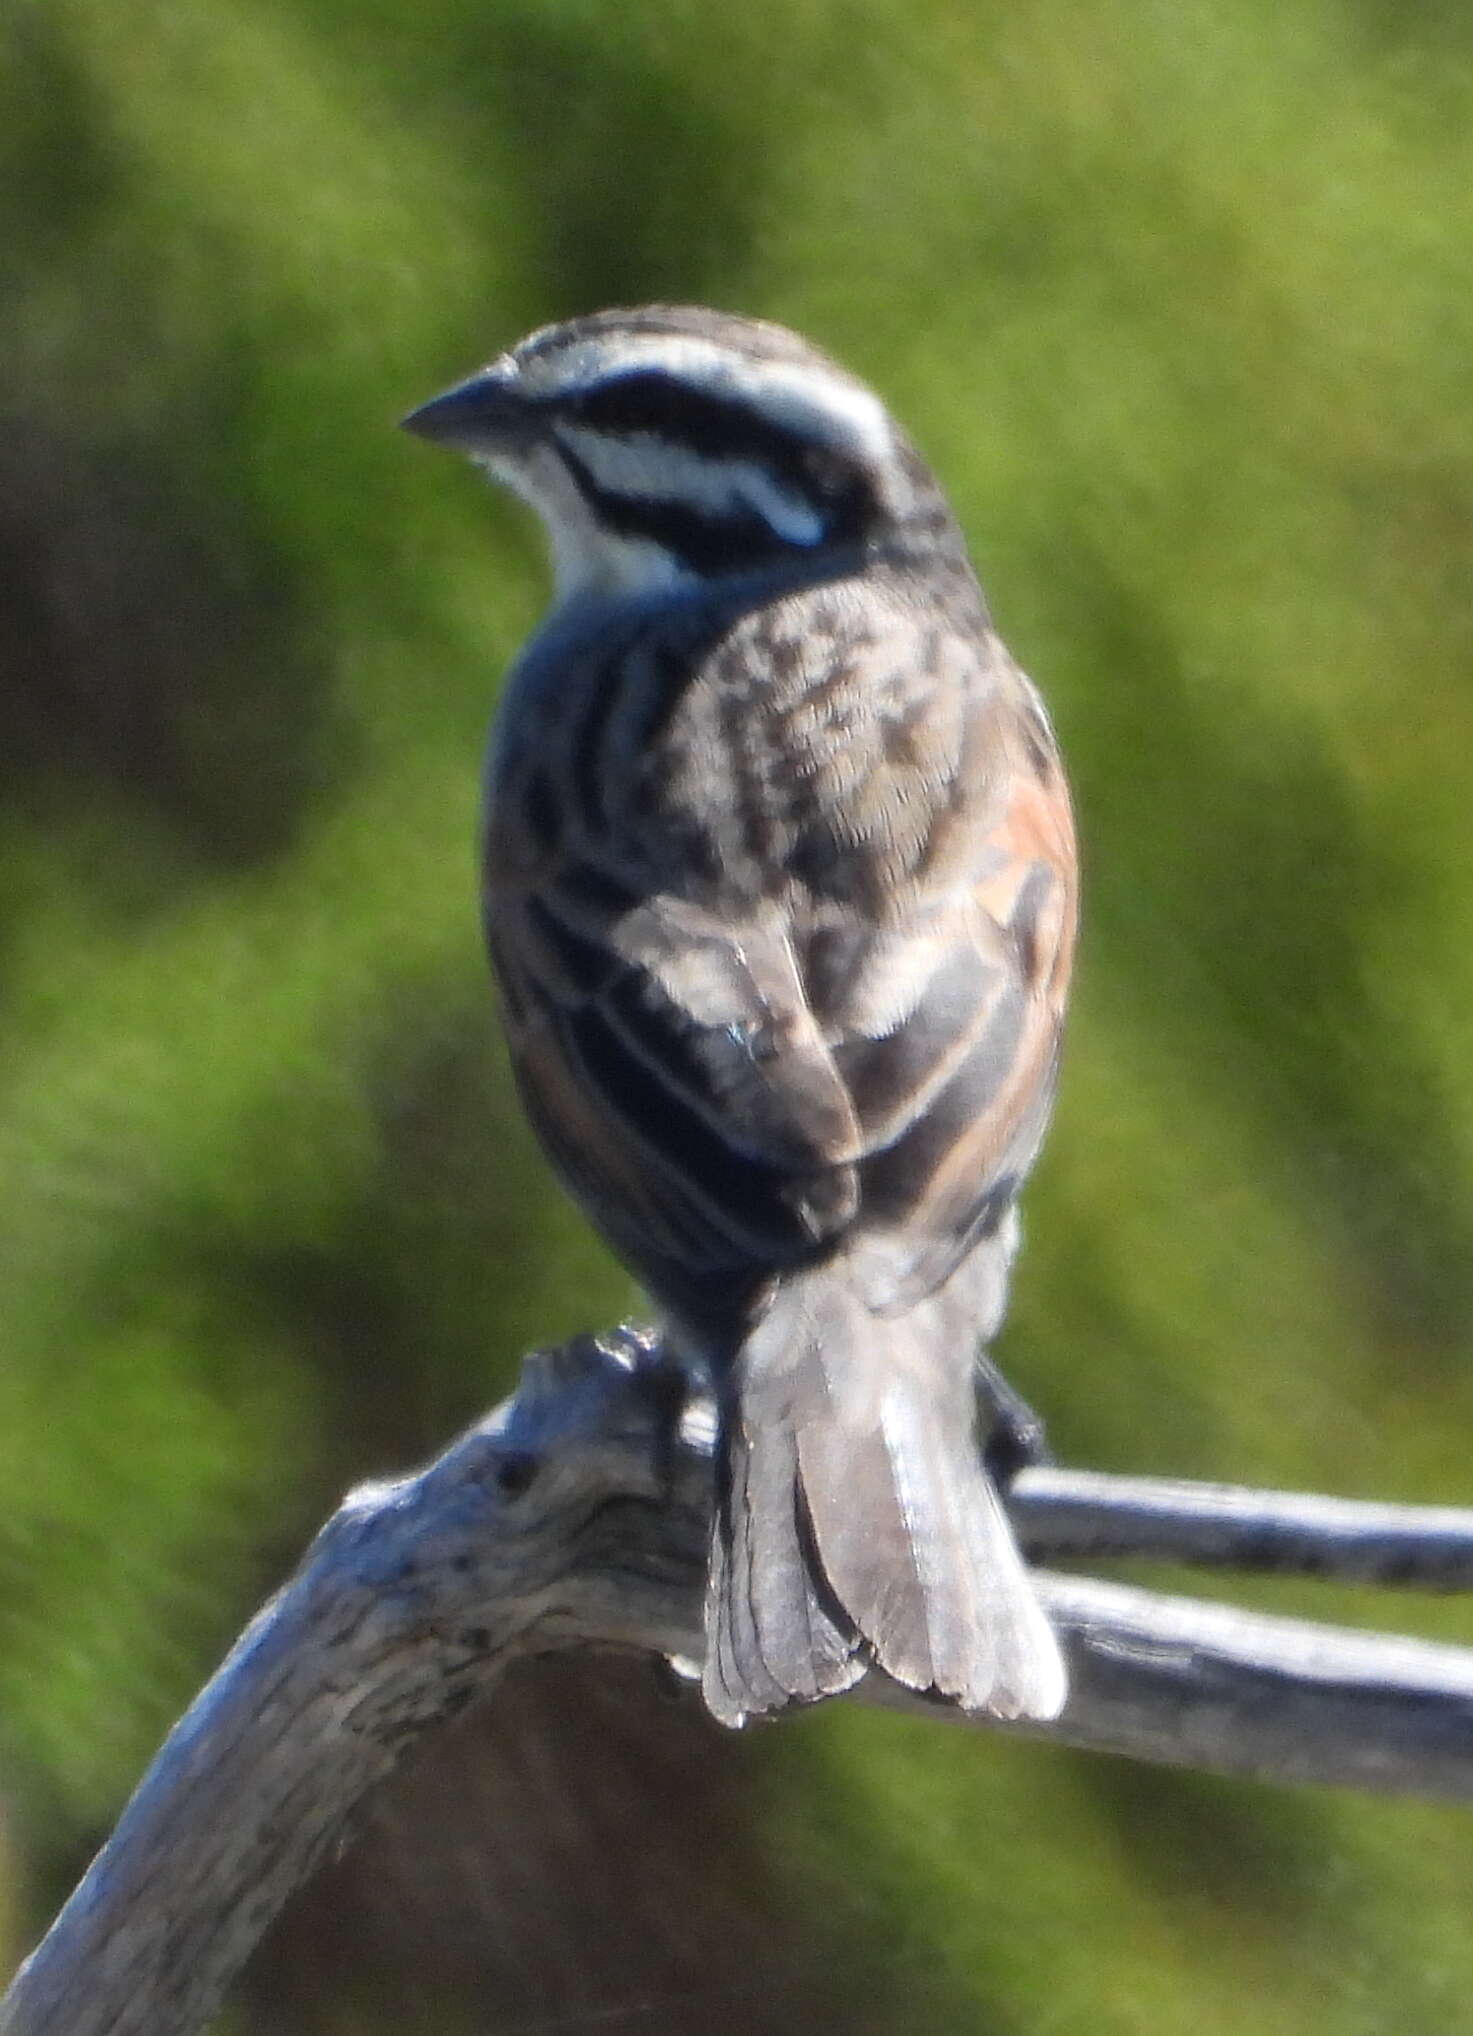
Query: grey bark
577,1516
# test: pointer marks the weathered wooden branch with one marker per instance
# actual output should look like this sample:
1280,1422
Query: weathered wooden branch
576,1515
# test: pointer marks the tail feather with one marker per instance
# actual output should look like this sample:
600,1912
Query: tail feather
771,1639
857,1521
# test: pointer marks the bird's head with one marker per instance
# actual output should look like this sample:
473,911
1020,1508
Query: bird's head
672,445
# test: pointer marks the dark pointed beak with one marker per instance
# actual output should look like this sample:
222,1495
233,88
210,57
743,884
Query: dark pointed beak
486,413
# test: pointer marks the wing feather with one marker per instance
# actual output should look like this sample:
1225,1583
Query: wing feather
731,1075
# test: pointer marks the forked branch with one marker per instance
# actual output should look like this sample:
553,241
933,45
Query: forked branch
576,1515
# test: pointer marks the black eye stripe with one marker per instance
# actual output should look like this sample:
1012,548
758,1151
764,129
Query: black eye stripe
650,403
703,542
648,400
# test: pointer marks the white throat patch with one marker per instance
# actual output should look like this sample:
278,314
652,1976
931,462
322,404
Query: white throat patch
587,558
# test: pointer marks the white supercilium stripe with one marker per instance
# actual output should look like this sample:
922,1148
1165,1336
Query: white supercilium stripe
818,403
648,468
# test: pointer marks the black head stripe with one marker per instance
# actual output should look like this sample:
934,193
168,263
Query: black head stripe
662,405
705,543
651,403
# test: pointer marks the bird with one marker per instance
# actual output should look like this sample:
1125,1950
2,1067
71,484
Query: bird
780,890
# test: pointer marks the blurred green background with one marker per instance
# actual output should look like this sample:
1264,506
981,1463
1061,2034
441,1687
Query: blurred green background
1178,298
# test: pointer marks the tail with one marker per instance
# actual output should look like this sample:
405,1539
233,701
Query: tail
855,1521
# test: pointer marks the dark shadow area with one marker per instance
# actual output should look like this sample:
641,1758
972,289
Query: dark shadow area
153,647
583,1854
655,186
157,646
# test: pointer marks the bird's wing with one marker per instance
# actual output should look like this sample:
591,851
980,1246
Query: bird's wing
675,1074
726,1084
954,1096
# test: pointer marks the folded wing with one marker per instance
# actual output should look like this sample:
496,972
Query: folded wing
730,1086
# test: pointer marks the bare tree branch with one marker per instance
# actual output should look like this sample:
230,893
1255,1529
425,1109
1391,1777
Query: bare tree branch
577,1515
1079,1513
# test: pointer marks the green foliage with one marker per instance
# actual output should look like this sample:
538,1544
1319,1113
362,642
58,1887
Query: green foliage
1178,299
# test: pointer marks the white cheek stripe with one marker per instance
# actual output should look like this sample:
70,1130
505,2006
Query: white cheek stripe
651,469
587,558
